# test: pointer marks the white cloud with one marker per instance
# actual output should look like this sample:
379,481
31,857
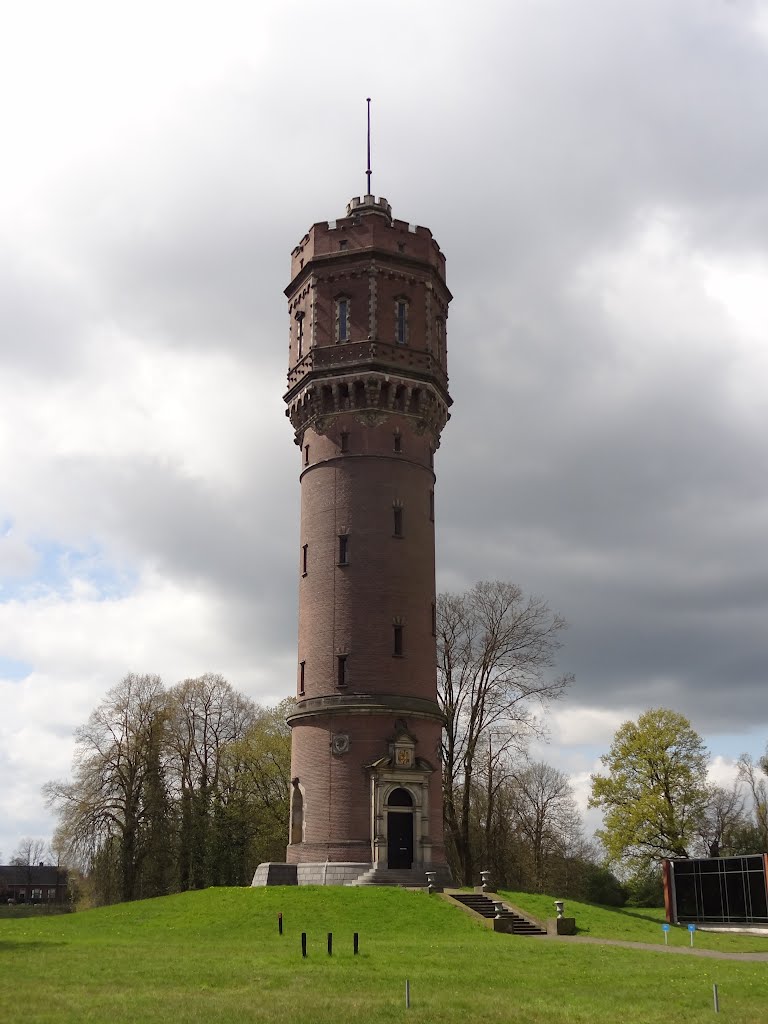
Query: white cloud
722,771
590,727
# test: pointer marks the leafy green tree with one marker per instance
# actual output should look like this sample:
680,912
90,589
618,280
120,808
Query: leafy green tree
644,887
600,885
253,797
205,716
654,792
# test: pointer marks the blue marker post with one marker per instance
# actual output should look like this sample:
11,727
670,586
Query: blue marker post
665,929
691,929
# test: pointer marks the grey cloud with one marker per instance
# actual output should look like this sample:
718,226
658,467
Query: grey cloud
533,140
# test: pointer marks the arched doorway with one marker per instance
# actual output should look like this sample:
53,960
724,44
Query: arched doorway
400,829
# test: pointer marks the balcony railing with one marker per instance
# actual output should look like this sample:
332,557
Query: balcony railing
367,353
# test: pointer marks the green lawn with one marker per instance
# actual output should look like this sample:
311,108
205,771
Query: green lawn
633,924
216,956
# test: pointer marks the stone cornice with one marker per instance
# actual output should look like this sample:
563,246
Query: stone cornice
351,259
421,401
364,704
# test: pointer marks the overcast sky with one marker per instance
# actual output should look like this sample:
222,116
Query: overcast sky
597,176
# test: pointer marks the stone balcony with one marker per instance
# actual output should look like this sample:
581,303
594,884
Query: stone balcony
367,355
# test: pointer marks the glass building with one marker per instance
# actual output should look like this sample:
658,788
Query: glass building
718,890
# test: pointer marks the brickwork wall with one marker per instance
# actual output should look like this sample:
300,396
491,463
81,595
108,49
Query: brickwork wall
337,808
380,262
351,609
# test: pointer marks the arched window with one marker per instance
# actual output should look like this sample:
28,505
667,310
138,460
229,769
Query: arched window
400,798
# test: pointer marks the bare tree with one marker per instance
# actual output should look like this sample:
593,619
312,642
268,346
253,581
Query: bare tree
758,791
723,818
495,648
107,808
545,813
30,852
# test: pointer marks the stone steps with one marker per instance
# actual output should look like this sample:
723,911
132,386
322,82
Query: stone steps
484,906
404,877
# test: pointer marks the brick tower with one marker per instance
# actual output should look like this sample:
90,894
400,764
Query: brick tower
368,398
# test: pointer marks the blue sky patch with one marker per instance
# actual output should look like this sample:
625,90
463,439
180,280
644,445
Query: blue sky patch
10,668
59,564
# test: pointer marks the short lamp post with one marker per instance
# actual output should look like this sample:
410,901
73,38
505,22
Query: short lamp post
560,908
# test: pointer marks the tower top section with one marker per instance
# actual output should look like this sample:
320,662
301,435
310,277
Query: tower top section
368,230
368,307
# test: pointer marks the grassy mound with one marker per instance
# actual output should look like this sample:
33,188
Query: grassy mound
216,956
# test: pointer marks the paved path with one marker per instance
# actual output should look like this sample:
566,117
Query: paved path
653,947
713,954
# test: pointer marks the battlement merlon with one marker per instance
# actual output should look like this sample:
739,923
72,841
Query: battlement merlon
368,225
369,204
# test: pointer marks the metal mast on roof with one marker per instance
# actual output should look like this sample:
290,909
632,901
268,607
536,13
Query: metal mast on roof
368,171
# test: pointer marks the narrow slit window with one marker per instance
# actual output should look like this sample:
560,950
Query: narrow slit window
397,641
342,319
343,549
306,454
398,442
432,506
304,558
401,322
341,670
302,668
344,441
300,334
434,619
397,522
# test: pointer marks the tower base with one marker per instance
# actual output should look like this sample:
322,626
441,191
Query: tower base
344,873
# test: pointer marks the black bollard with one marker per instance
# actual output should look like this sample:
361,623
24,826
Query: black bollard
280,924
330,943
303,943
355,943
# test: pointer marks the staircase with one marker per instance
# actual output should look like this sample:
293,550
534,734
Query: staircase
483,906
405,877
